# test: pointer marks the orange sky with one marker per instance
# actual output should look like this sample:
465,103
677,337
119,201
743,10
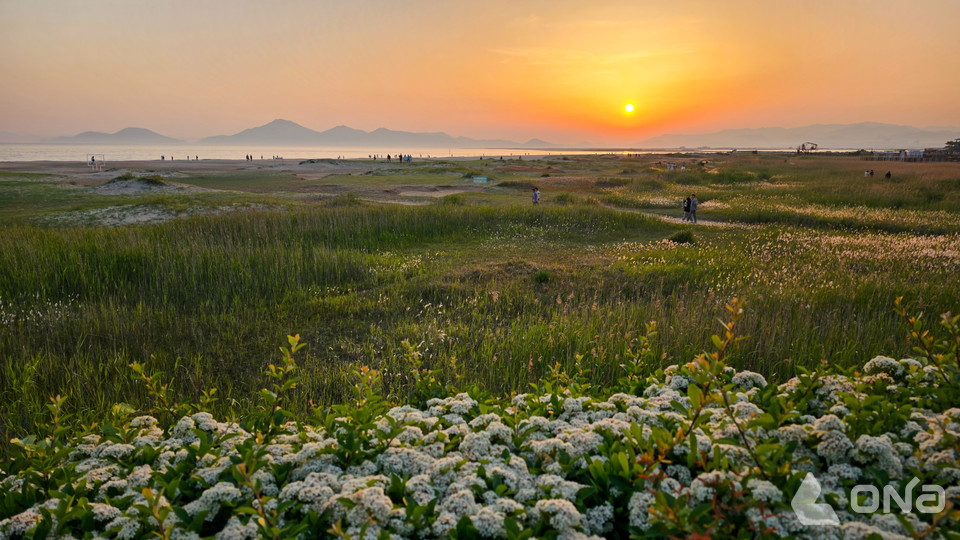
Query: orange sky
558,70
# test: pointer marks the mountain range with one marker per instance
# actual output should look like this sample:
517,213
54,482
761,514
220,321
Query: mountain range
865,135
286,132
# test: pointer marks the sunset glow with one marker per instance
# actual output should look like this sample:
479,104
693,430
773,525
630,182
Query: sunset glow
553,70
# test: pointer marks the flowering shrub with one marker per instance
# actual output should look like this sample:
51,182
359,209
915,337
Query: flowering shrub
694,448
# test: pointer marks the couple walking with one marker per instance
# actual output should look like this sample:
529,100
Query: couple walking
690,209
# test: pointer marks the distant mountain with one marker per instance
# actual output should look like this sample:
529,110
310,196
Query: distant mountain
10,137
286,132
866,135
277,132
129,135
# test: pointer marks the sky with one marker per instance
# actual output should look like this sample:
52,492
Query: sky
558,70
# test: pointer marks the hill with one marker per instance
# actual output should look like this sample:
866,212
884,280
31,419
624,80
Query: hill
130,135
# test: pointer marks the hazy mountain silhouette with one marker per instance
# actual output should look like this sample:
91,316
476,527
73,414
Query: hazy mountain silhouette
866,135
129,135
290,133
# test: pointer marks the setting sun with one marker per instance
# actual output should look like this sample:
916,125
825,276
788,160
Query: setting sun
629,107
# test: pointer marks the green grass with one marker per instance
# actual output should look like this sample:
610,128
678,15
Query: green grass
507,288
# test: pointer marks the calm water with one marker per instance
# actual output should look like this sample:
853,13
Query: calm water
81,153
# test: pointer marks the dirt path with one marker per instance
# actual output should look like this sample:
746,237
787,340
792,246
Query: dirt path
674,219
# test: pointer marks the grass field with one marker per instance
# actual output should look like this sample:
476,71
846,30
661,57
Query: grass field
470,365
819,252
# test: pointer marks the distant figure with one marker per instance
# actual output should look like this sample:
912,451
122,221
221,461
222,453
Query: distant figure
693,208
536,195
163,158
686,209
93,160
871,172
866,173
196,158
887,176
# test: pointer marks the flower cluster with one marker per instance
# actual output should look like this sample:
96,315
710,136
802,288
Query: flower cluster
698,450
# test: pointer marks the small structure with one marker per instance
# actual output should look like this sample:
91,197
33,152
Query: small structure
96,161
902,155
480,180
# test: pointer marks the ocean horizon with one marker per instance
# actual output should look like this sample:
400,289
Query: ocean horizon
180,152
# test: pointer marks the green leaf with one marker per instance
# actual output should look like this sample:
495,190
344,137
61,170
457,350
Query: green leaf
695,395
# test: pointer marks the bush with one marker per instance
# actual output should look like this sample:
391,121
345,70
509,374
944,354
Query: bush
612,182
541,277
697,449
565,199
341,201
454,199
517,184
682,237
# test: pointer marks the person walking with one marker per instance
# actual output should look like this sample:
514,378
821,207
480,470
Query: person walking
536,195
693,208
686,209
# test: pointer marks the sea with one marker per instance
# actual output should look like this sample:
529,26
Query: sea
108,153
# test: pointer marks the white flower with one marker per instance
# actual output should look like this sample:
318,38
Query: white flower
828,422
19,524
639,509
883,364
563,514
127,527
143,422
880,450
748,379
115,450
235,530
598,519
489,522
104,512
369,504
834,446
459,504
792,432
764,491
211,498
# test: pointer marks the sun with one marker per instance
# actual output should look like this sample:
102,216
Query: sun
628,107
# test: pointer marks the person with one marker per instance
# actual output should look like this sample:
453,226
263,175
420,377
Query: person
887,176
536,195
686,209
693,208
